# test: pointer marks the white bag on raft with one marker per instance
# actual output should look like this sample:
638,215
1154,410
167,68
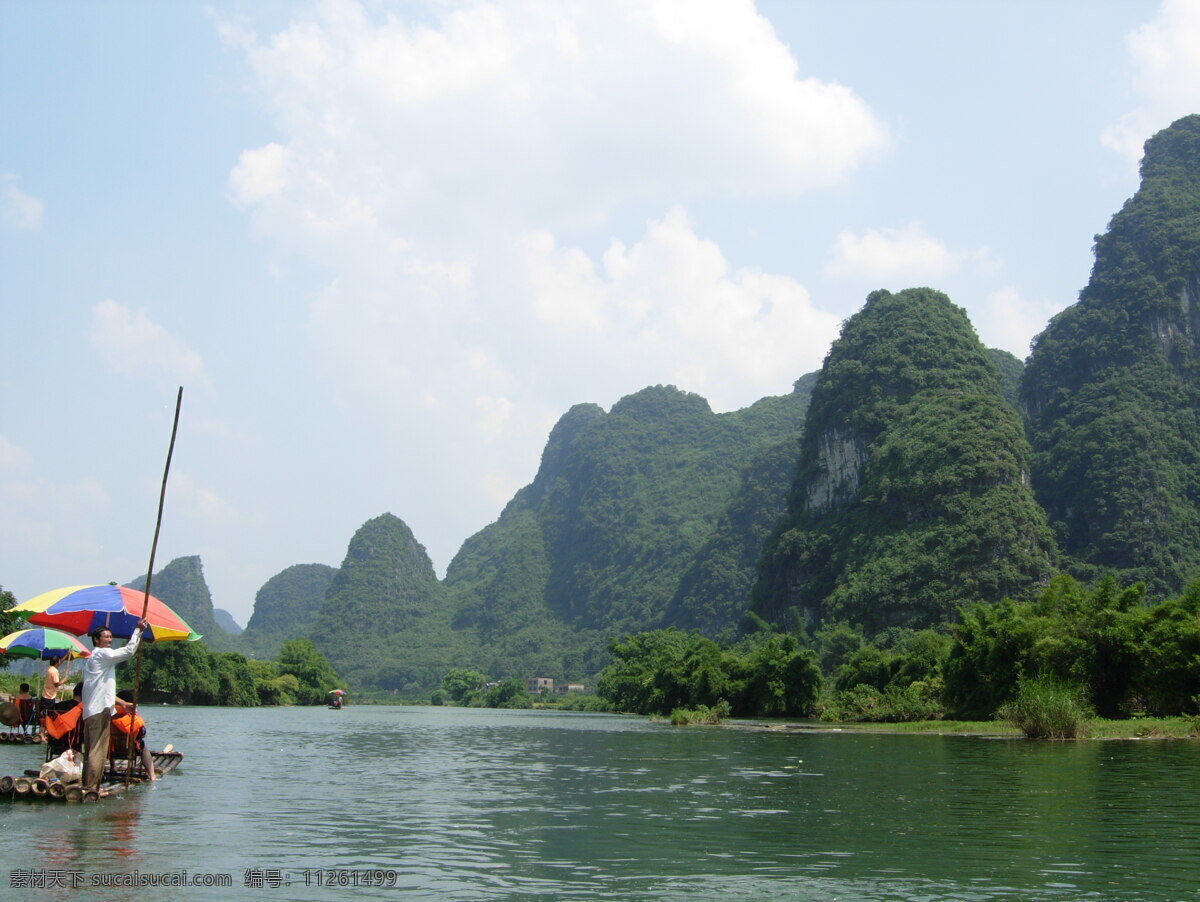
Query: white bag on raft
65,768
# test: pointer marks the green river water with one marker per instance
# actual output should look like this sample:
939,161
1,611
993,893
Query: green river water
460,804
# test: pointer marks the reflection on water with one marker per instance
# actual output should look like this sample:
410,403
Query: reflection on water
470,804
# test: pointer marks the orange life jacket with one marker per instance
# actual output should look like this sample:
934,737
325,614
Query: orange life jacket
58,724
129,724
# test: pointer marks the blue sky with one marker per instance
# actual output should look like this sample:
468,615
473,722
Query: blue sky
384,246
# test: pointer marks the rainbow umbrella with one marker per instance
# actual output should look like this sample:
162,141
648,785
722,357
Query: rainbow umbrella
81,609
43,643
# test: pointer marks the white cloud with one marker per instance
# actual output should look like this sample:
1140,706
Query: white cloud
259,175
817,128
131,344
56,528
416,158
19,212
907,254
1165,56
671,307
13,458
200,503
1006,319
454,166
494,414
490,112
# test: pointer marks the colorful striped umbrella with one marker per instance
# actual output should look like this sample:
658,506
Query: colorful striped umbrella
43,643
81,609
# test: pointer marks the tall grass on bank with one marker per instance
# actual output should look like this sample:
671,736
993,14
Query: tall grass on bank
702,714
1045,708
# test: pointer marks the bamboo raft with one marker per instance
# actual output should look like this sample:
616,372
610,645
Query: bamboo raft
19,737
30,787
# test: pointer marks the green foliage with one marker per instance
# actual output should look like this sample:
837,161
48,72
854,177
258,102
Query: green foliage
894,679
1045,708
1130,656
837,641
9,623
660,671
385,621
701,715
182,673
273,688
314,674
1112,386
287,607
911,495
903,657
712,595
779,678
895,704
654,511
1008,374
189,673
510,693
460,684
578,701
236,684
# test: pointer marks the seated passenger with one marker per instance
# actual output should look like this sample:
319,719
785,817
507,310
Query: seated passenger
62,726
128,727
25,704
53,682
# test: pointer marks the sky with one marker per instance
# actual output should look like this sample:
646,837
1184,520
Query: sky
384,246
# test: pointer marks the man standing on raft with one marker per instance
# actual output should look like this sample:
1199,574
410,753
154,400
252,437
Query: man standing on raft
99,696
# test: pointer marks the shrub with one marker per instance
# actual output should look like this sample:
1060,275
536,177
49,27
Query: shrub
702,714
579,702
1045,708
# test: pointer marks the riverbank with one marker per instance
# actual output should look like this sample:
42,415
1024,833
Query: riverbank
1133,728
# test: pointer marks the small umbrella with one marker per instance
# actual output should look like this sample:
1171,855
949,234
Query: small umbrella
81,609
337,691
43,643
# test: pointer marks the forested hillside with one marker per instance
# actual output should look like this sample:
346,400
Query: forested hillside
181,585
912,492
1112,386
385,619
287,607
627,507
915,474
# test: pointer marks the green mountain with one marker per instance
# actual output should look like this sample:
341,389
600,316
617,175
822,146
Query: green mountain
181,586
917,471
385,619
1112,386
912,491
713,595
1009,371
287,607
226,622
622,507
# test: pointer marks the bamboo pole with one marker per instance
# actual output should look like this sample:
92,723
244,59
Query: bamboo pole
162,496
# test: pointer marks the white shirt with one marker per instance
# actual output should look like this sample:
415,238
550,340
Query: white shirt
100,676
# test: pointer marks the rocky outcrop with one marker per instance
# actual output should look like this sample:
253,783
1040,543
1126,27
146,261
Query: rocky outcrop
912,492
837,471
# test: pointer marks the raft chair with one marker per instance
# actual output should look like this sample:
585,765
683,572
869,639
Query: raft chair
62,731
29,720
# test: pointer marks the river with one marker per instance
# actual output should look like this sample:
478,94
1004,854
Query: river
466,804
